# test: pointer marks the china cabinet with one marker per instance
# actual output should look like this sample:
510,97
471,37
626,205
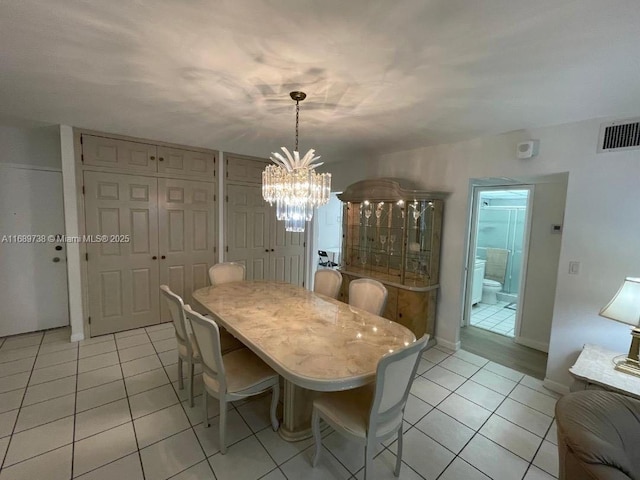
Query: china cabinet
391,233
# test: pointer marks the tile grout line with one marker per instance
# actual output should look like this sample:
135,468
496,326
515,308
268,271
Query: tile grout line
127,454
191,426
75,414
133,425
354,475
388,448
477,432
15,422
537,450
495,373
255,434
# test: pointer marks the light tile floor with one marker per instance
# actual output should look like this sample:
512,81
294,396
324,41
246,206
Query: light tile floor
495,318
110,407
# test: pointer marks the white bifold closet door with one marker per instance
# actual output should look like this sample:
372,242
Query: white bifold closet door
186,235
170,225
123,276
256,239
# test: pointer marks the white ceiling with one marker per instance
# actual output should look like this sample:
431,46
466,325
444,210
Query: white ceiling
380,75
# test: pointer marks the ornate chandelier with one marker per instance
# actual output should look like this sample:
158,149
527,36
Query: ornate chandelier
292,183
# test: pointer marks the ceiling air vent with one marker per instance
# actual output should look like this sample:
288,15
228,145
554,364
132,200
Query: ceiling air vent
621,135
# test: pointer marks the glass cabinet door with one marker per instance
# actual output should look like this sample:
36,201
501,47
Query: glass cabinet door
392,241
374,238
418,254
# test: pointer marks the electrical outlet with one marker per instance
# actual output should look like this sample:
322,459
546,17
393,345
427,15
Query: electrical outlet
574,268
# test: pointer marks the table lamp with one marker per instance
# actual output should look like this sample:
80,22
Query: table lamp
625,307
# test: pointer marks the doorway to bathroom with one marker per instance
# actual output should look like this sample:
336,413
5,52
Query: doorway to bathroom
498,245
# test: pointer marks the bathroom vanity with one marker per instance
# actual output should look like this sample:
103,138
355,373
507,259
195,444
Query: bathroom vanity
391,233
478,277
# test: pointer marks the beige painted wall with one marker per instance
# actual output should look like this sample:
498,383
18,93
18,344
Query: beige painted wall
601,226
544,253
36,147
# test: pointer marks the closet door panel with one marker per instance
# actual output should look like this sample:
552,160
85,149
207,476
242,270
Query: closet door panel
248,223
123,276
244,170
256,239
121,154
287,258
186,236
185,162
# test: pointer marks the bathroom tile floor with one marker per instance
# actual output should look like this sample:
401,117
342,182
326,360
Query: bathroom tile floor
495,318
110,407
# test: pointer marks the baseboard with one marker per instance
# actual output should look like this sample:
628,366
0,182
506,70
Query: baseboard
560,388
543,347
447,344
76,337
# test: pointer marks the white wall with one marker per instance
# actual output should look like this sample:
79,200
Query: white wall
30,147
541,272
346,172
601,226
329,224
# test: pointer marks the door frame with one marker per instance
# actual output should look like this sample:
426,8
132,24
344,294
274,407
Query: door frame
476,187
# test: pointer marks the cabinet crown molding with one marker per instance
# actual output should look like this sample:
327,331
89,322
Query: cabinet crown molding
387,189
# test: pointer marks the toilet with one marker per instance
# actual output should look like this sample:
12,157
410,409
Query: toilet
495,270
489,290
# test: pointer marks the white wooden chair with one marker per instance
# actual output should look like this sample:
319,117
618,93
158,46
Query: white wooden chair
368,294
226,272
219,274
187,348
233,376
372,413
327,282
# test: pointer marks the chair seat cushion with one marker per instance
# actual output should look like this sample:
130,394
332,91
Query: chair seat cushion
350,411
244,371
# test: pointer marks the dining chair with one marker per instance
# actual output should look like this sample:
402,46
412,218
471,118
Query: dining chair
226,272
327,282
219,274
324,261
187,348
368,294
230,377
375,412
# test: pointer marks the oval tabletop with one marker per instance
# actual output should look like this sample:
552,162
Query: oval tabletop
313,341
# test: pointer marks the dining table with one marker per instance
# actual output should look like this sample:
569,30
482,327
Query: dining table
314,342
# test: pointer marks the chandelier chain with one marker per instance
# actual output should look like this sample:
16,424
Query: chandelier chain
297,117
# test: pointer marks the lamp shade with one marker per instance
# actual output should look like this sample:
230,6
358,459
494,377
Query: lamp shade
625,305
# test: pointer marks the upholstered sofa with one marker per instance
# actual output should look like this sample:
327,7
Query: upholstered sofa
598,436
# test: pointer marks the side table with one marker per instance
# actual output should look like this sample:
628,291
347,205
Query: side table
594,369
